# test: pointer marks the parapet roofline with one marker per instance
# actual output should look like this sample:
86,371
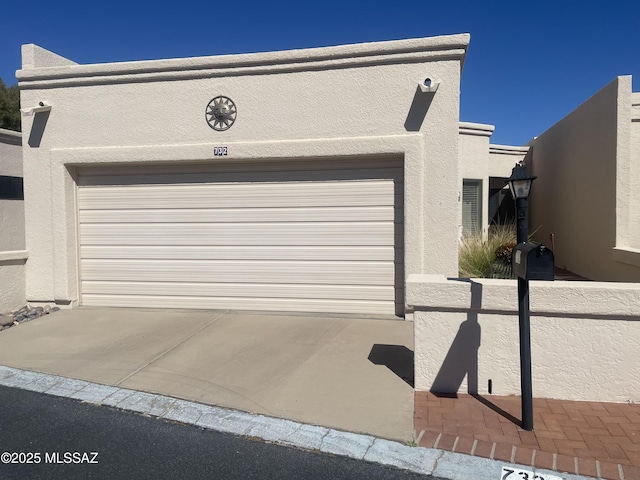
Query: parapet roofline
508,149
10,137
35,75
478,129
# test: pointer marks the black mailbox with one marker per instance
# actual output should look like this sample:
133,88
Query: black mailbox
532,262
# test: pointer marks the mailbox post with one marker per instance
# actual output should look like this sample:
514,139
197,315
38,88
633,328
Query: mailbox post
520,186
530,262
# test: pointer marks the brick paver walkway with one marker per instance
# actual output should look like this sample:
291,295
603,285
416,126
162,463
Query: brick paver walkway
600,440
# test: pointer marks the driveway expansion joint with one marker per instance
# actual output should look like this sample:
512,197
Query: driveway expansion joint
171,349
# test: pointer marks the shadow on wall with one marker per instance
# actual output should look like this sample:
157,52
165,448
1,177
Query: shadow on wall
37,128
397,358
462,357
461,360
418,110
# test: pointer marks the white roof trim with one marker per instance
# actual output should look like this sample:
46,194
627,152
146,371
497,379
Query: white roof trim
13,255
480,129
343,56
508,150
10,137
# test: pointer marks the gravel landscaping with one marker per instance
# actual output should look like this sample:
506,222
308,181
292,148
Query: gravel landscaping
25,314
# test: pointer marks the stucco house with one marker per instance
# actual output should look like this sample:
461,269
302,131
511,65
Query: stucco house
12,242
306,180
333,179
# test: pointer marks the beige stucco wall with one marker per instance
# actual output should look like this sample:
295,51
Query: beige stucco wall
12,234
12,279
480,160
354,101
502,159
584,337
628,239
10,153
586,194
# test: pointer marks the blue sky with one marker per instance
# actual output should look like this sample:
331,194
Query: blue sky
528,65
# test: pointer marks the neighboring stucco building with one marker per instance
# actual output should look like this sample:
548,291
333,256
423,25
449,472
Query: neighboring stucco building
308,180
484,169
586,200
12,241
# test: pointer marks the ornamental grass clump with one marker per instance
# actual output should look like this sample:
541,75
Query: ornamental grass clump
487,258
475,256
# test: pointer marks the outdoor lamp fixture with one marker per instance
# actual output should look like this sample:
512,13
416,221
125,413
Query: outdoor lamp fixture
430,85
520,186
41,107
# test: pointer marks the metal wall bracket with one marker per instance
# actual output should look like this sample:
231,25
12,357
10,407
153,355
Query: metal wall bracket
42,107
429,85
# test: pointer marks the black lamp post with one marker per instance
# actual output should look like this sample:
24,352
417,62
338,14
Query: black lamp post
520,186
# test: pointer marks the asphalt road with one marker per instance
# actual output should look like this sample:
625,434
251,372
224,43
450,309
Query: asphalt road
64,437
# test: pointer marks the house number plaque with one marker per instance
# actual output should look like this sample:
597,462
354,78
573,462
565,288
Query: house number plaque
219,151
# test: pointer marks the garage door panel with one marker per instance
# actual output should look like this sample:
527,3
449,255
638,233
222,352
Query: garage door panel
249,215
269,195
141,176
279,304
235,252
320,239
244,290
344,273
257,234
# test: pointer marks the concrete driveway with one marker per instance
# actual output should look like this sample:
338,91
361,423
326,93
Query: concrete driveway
350,373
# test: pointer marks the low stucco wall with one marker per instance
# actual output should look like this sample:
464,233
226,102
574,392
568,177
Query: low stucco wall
12,293
11,225
584,338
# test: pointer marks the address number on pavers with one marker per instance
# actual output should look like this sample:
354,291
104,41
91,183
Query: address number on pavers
509,473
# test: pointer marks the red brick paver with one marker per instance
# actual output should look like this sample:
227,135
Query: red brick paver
601,440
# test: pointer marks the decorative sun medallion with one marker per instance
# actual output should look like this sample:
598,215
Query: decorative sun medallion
221,113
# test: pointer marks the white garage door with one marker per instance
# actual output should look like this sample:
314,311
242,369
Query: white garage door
309,237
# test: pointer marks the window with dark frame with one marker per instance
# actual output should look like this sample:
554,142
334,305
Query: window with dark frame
11,188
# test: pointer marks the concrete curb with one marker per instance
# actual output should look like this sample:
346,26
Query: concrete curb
453,466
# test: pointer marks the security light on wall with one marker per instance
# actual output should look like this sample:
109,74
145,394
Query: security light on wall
42,107
429,85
